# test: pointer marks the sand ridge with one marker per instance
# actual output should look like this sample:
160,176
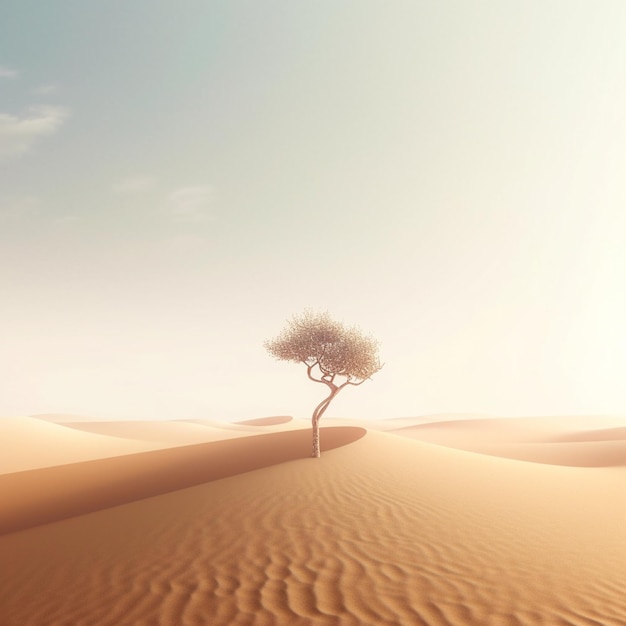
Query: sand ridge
45,495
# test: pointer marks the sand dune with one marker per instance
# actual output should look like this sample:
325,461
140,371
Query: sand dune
41,496
512,429
605,434
529,439
267,421
63,418
395,423
382,530
577,454
167,433
269,424
237,427
29,443
45,441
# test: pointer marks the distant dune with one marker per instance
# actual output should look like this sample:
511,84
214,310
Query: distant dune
167,433
61,418
28,443
528,439
385,528
267,421
605,434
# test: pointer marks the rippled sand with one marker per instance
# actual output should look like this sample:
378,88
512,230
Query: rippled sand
385,528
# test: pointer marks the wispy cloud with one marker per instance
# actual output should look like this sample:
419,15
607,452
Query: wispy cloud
19,134
6,72
135,184
191,204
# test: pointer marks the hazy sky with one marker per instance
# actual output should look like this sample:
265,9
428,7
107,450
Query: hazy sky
179,178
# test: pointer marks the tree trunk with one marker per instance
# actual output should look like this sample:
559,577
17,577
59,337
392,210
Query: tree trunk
319,410
316,439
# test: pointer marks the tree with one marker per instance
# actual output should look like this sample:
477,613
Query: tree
334,355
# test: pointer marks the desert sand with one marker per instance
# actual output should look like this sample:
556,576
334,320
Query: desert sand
441,520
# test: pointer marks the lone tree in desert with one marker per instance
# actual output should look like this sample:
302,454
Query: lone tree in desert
333,354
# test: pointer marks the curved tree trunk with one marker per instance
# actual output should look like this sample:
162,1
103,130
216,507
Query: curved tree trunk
317,414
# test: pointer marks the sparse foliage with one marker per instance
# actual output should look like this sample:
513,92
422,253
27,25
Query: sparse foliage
334,355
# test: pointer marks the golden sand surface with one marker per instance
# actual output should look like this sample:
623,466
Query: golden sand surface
385,528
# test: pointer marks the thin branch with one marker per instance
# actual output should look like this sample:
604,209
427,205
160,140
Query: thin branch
323,369
309,369
349,382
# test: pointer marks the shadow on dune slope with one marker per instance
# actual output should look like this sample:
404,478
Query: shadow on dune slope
46,495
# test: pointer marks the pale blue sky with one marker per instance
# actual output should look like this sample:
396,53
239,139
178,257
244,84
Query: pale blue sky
177,179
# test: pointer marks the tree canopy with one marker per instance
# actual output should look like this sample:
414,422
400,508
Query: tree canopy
316,339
